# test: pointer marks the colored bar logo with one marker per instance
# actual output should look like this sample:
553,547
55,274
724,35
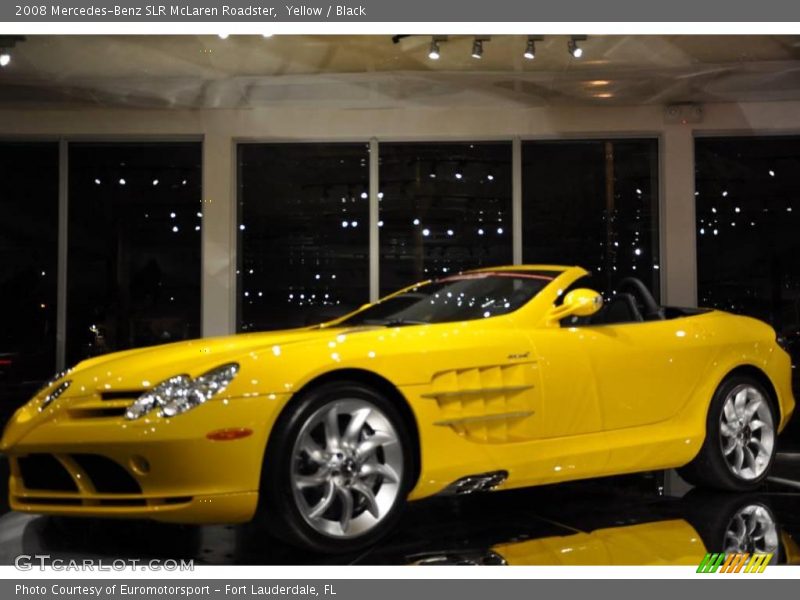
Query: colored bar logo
734,563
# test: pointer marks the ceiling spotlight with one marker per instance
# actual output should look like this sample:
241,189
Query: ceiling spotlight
477,48
530,50
573,48
223,36
433,53
530,46
7,44
267,35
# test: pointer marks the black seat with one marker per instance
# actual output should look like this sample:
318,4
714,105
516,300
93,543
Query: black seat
620,309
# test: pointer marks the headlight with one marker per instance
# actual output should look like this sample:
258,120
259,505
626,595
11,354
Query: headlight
180,393
54,394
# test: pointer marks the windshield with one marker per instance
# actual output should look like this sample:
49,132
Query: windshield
458,298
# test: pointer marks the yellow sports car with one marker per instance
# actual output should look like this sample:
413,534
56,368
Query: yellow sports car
491,379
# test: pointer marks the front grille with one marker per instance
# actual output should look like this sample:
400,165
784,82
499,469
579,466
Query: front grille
43,481
56,501
106,405
122,502
97,413
122,395
44,472
178,500
132,503
106,475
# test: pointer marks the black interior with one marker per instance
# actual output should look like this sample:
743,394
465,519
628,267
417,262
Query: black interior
632,303
621,308
632,290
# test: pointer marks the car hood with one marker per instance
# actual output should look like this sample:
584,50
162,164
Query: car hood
142,368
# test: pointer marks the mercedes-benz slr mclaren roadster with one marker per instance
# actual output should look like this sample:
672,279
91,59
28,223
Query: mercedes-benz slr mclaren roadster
487,380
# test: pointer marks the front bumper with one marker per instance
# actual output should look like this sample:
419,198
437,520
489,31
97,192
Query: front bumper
78,462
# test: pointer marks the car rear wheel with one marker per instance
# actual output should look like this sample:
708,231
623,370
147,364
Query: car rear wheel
337,469
740,438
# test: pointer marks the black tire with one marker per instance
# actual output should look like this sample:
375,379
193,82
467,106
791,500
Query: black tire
280,510
710,469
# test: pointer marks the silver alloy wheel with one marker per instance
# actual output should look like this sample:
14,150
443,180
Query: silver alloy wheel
752,529
347,465
747,432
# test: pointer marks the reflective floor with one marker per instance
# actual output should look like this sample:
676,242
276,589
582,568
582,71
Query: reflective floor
634,520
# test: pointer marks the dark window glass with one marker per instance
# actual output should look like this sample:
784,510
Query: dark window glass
748,219
444,208
595,204
134,245
303,233
29,247
456,298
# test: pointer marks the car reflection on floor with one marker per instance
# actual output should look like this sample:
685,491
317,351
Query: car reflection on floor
748,525
624,521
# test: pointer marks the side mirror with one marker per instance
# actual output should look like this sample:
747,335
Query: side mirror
581,302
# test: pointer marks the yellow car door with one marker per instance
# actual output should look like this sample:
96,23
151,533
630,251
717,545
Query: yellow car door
646,371
607,377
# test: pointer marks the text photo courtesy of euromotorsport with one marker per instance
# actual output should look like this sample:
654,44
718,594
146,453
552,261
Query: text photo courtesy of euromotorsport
183,10
124,589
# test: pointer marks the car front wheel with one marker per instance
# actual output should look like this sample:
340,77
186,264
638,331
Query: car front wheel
337,468
740,438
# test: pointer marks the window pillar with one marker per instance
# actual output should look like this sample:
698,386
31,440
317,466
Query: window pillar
516,200
219,236
61,276
678,229
374,216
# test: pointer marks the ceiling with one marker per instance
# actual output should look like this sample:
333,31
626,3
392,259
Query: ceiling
190,71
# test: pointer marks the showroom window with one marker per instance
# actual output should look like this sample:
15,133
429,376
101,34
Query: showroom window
444,208
303,233
593,203
748,218
28,271
135,219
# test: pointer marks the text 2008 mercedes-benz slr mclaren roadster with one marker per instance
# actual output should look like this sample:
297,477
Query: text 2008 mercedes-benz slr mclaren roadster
492,379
